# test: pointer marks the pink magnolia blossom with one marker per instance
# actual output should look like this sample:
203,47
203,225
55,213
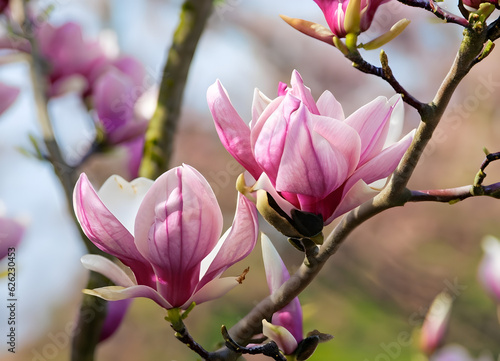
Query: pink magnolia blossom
335,13
305,154
8,95
285,327
11,233
167,232
435,324
489,268
115,96
71,60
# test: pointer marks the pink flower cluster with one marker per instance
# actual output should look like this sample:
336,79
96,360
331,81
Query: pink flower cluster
110,86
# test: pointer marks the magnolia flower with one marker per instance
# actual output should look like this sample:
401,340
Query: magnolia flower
435,324
335,14
11,232
167,232
489,268
285,327
305,154
8,95
71,60
115,96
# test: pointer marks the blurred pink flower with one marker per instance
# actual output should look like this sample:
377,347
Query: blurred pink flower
8,95
457,353
71,60
11,233
286,324
305,154
167,232
115,96
115,313
335,14
435,324
489,268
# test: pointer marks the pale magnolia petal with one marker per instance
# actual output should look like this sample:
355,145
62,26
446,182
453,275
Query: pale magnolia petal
272,133
289,316
259,104
383,164
283,338
233,132
306,164
116,293
328,106
264,183
276,272
489,268
435,323
123,198
237,242
302,92
396,122
105,230
358,194
107,268
178,223
212,290
372,124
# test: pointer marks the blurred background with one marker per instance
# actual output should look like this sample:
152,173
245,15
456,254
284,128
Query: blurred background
381,282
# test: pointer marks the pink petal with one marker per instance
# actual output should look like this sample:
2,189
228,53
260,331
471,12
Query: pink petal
272,132
383,164
259,104
233,132
11,233
329,106
134,70
116,293
276,272
237,242
177,225
114,102
212,290
264,183
7,96
358,194
372,123
311,164
302,92
106,231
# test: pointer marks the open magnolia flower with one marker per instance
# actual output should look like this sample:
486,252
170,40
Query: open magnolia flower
306,155
167,232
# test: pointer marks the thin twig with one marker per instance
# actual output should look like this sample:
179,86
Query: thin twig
436,10
384,72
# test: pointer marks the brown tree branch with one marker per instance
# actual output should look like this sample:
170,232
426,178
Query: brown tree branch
158,147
